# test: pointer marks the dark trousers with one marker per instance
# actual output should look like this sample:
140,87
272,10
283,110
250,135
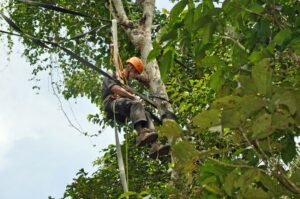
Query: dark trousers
127,108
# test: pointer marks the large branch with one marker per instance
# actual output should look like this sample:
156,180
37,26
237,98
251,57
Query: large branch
120,11
148,13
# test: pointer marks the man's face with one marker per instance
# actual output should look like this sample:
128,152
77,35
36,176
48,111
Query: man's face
130,71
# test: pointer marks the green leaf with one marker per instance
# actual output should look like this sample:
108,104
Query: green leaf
256,193
281,120
213,188
167,33
262,77
211,61
217,80
212,167
229,101
295,45
256,56
245,180
144,194
256,8
211,179
231,118
189,21
296,176
262,126
239,56
154,53
127,194
185,155
247,84
170,129
208,31
250,104
288,98
229,183
283,36
272,186
263,30
289,152
201,18
165,11
177,9
207,118
166,62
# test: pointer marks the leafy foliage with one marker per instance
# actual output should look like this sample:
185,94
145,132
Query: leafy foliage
232,74
242,54
145,176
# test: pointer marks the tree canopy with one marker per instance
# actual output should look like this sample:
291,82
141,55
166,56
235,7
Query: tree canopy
231,71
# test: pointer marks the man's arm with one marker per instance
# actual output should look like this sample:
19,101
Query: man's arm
118,90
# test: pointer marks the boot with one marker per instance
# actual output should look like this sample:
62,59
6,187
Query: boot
146,136
159,150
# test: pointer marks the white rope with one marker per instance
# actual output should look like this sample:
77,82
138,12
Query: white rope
118,147
119,153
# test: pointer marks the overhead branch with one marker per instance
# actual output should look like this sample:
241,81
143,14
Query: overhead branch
146,23
121,14
148,12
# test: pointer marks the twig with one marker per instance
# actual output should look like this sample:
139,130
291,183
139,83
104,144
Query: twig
237,165
251,145
278,173
284,180
63,111
236,42
260,149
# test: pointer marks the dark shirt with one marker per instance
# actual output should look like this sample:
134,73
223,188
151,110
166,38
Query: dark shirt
106,87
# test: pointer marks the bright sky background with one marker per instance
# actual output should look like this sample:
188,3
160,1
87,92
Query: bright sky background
39,152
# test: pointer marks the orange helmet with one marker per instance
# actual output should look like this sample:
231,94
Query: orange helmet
137,64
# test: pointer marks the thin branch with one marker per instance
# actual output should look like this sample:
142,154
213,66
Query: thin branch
182,64
261,150
251,145
237,165
236,42
54,90
284,180
278,172
62,109
120,11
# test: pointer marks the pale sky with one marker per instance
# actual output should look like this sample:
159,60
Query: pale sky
39,152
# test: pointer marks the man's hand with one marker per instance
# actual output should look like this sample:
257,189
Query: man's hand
136,98
142,78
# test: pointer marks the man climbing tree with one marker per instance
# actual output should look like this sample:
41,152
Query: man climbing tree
121,104
233,55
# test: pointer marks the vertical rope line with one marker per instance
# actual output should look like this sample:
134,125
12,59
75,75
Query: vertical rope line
119,153
126,158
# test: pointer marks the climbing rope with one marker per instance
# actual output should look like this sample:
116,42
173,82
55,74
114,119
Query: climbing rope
119,153
119,71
